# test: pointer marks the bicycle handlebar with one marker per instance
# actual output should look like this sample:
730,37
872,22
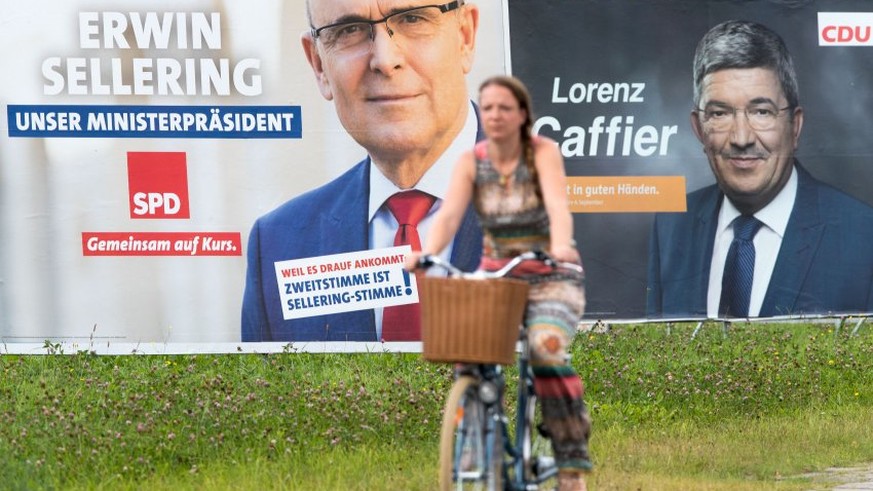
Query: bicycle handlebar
428,260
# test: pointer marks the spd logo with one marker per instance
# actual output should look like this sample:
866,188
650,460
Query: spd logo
158,184
845,28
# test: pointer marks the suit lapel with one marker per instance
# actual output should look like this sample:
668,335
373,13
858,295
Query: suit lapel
802,237
348,228
705,223
480,134
467,247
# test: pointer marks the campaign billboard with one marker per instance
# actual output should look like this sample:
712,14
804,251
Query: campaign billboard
612,83
139,143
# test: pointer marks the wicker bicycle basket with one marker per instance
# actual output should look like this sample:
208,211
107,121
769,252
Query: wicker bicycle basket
471,320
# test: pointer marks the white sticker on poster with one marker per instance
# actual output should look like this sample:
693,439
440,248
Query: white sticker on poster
345,282
845,28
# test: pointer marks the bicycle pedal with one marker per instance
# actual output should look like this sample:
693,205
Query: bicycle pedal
543,463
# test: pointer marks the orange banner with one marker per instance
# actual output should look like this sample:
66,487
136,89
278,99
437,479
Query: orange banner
608,194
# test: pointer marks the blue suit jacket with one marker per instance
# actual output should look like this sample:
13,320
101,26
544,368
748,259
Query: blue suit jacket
825,263
331,219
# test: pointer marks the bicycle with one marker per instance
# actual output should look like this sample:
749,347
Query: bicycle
477,450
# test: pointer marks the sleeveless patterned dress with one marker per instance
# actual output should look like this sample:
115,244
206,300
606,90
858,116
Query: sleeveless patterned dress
514,220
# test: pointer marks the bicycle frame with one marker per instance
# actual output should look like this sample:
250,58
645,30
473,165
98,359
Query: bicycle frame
520,470
513,452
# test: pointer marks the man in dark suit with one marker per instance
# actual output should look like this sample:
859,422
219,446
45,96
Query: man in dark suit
767,239
397,80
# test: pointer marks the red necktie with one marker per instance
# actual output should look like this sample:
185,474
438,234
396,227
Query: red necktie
403,322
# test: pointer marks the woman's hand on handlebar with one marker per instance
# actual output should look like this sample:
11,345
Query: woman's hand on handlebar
565,253
411,261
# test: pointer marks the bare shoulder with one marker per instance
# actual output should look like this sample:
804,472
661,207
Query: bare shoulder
546,151
544,144
467,162
543,140
467,157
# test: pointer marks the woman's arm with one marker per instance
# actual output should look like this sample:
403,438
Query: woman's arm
553,183
452,210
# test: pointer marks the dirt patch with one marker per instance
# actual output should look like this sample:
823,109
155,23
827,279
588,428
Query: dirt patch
859,478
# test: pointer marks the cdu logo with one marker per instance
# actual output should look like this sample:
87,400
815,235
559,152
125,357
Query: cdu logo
845,28
158,184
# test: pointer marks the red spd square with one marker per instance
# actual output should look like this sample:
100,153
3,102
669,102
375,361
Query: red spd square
158,184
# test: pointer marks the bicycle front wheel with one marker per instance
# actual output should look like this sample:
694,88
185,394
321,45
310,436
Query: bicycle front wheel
465,442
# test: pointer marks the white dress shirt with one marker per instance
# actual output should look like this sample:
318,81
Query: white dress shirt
383,225
767,242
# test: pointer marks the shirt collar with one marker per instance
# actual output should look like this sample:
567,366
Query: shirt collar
775,215
435,180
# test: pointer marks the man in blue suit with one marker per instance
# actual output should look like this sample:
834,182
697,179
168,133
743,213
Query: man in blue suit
397,80
806,248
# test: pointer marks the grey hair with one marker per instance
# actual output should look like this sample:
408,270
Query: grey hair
744,44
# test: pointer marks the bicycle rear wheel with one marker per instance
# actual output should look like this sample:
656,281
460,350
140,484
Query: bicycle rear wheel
537,453
465,440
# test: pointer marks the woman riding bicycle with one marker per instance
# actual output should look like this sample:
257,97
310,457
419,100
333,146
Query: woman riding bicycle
518,186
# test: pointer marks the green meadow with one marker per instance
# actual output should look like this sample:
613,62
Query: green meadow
753,407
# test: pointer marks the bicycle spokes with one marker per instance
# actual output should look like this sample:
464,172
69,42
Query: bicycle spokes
470,457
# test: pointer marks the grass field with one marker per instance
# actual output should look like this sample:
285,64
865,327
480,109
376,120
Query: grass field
752,409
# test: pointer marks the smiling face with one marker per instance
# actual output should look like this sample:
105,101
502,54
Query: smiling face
751,166
396,96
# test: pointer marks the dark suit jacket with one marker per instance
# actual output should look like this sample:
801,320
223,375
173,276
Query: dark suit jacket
331,219
825,263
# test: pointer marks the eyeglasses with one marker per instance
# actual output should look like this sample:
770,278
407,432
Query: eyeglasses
761,117
414,23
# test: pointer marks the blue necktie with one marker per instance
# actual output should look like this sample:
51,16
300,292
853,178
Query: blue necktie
739,268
